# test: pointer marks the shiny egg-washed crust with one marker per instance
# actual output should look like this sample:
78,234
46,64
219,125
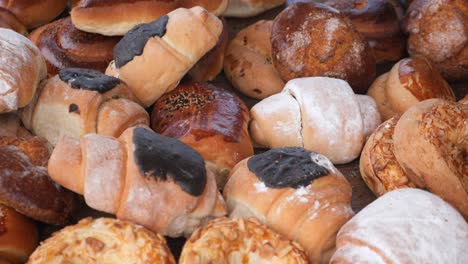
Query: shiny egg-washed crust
119,16
10,21
64,46
431,145
378,165
249,8
34,13
438,30
311,39
233,241
248,64
378,22
103,240
35,148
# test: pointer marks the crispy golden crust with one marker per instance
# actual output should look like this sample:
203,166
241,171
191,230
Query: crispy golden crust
103,240
35,148
10,21
378,165
226,240
34,13
249,8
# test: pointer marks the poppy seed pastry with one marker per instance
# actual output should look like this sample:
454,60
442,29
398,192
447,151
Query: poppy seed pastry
179,40
153,180
295,192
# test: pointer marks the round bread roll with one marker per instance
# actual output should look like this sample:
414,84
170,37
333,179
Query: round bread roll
179,39
310,39
318,113
240,241
438,30
18,236
297,193
21,70
64,46
248,64
103,240
35,13
10,21
211,120
378,22
410,81
378,165
94,15
431,145
404,226
249,8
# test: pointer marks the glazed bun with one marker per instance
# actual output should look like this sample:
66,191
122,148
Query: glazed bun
242,241
432,231
118,17
297,193
179,39
63,46
248,64
438,31
21,70
35,13
103,240
10,21
310,39
249,8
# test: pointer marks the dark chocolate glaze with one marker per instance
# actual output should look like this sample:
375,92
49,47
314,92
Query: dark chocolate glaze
286,167
73,108
133,43
162,157
88,80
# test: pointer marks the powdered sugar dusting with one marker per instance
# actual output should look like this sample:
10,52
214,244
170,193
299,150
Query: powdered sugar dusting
299,195
331,26
296,41
260,187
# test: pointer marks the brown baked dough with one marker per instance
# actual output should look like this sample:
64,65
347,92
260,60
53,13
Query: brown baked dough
249,8
34,13
10,21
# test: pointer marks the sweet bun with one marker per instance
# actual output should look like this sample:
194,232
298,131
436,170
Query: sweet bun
118,17
318,113
18,238
410,81
21,70
74,103
179,38
157,181
211,120
248,64
438,31
249,8
378,21
432,231
297,193
34,13
310,39
241,241
430,143
63,46
103,240
10,21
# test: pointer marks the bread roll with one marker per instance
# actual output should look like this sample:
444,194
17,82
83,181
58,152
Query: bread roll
63,46
410,81
211,120
248,64
118,17
78,101
241,241
149,179
25,185
10,21
404,226
438,30
249,8
103,240
21,70
297,193
18,237
317,113
310,39
431,143
35,13
179,39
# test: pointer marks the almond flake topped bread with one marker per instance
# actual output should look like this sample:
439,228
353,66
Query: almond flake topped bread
152,58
